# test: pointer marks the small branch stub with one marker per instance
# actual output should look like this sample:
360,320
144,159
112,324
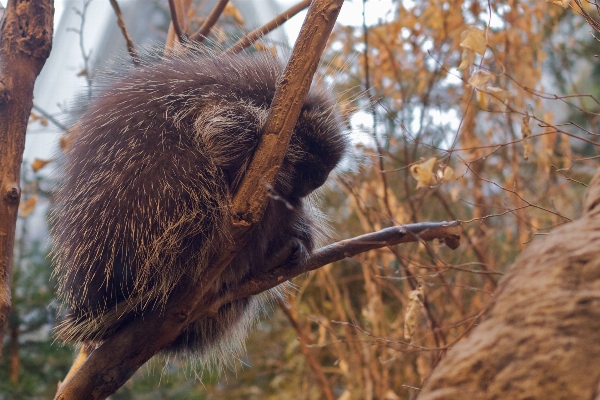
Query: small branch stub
13,194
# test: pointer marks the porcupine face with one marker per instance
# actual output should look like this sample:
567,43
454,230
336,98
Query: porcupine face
147,187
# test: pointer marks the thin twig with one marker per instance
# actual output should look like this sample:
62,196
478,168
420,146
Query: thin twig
50,118
210,21
130,46
310,358
85,55
256,34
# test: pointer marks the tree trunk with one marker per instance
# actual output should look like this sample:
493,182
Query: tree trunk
25,42
540,337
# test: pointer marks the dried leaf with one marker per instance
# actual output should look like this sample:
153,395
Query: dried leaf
347,395
65,140
412,316
343,364
38,163
481,78
473,39
467,58
482,99
391,395
498,96
562,3
445,174
423,173
261,47
27,208
232,11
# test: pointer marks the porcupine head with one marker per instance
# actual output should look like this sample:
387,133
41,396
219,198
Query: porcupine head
146,190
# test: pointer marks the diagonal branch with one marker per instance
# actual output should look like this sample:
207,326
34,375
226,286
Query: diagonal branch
177,19
130,46
210,21
424,231
276,22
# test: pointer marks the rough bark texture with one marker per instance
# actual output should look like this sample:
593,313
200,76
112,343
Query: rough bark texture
540,338
25,43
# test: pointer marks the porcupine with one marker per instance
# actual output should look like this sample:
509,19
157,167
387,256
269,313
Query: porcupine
148,179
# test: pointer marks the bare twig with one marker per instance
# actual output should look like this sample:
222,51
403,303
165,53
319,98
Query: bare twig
424,231
210,21
130,46
310,358
276,22
176,12
50,118
84,54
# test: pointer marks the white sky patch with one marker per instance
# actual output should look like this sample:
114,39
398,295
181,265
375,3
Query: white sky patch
350,14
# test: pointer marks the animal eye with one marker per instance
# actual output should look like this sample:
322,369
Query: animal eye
295,253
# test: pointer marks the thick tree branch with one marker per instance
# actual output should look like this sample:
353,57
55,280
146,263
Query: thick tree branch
25,43
425,231
539,338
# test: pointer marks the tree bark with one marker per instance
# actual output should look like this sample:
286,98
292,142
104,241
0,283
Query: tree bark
540,337
25,43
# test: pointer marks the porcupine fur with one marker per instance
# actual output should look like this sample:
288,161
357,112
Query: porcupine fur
148,180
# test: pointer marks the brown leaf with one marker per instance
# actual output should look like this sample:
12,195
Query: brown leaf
562,3
27,208
473,39
413,312
480,78
232,11
38,163
423,173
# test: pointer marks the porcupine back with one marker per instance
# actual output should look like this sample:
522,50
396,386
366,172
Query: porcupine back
147,186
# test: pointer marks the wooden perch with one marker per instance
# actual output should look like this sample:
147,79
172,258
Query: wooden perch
25,43
540,337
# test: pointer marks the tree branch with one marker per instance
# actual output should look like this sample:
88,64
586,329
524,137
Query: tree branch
130,46
210,21
177,19
425,231
25,43
276,22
